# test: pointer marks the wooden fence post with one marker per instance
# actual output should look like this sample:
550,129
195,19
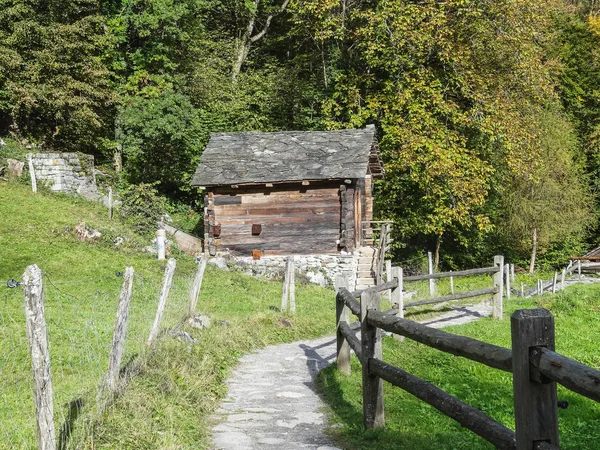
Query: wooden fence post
342,314
507,280
536,411
578,270
32,173
292,288
286,286
372,386
563,276
554,280
452,285
37,337
195,290
498,284
118,343
397,296
430,269
388,275
162,302
110,203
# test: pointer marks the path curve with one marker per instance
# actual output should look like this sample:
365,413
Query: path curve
272,401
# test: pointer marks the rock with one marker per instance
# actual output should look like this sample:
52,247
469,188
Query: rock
15,168
219,262
199,321
317,278
182,336
2,143
86,233
118,241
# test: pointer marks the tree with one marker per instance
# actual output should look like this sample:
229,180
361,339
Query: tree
54,84
446,82
551,200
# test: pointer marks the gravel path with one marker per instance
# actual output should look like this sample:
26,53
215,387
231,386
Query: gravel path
272,401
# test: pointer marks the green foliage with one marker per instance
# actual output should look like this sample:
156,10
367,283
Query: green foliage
53,83
142,206
162,140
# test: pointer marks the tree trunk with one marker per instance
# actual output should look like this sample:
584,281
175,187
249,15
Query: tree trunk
118,158
438,243
534,241
244,49
248,39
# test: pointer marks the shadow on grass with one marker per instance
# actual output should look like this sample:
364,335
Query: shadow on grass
75,407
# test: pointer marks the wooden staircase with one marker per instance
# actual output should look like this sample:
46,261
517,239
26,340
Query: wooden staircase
365,276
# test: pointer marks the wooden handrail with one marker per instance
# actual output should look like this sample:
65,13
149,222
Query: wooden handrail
468,416
459,273
447,298
482,352
345,296
572,374
353,341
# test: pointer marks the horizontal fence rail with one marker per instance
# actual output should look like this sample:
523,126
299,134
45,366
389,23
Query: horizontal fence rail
482,352
535,366
461,273
468,416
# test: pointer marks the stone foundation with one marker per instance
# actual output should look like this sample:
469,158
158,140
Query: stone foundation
67,172
318,269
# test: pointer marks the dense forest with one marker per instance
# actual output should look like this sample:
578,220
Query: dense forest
487,111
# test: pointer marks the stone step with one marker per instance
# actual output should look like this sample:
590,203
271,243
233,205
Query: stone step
366,251
369,281
364,274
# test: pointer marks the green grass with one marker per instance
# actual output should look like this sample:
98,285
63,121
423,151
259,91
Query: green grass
168,404
412,424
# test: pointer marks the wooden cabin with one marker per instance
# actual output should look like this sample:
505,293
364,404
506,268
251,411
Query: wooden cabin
292,192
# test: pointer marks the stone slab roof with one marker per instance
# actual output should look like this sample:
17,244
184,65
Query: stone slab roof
251,157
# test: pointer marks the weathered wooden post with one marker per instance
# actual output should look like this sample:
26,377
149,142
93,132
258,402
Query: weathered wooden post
397,296
498,284
536,411
507,280
289,288
32,173
373,414
430,271
554,280
120,331
37,336
292,289
539,287
563,276
342,315
452,285
162,302
388,275
110,203
578,270
195,290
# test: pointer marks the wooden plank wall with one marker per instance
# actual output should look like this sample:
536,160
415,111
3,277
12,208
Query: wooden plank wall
295,219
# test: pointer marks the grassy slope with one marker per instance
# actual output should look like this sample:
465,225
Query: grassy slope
412,424
168,404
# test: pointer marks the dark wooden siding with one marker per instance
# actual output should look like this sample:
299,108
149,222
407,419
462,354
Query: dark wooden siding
293,218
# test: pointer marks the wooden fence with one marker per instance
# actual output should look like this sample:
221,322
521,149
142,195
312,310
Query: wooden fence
114,380
536,368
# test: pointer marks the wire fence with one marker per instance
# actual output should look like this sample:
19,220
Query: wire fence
80,318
